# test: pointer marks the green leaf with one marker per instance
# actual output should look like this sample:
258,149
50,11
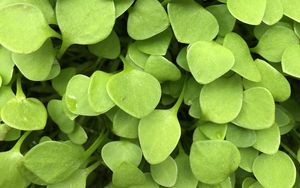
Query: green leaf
192,91
135,92
213,131
84,22
29,33
36,66
268,140
121,6
212,161
137,56
149,183
161,126
240,137
274,12
272,80
76,180
5,95
125,125
165,173
181,59
78,135
221,100
127,174
290,9
244,64
146,19
77,96
162,69
274,41
258,109
290,61
116,152
191,22
60,82
208,61
156,45
248,155
24,114
53,161
199,135
6,66
185,177
277,170
57,114
247,11
98,97
225,20
109,48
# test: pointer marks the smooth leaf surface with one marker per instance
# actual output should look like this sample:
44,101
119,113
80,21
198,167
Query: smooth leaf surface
6,66
240,137
268,140
290,61
125,125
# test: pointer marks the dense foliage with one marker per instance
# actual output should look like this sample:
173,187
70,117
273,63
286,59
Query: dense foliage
149,93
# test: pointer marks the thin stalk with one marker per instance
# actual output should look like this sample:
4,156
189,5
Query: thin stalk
93,167
19,143
20,94
286,148
65,45
177,105
95,145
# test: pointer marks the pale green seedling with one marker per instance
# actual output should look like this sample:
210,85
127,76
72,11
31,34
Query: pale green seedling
146,19
212,161
31,32
221,100
248,11
208,61
191,22
258,109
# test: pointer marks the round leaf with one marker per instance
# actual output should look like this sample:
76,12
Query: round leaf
127,174
161,126
274,12
290,9
121,6
274,171
125,125
258,109
208,61
135,92
29,33
248,11
213,131
221,100
191,22
240,137
268,140
248,155
213,161
6,66
291,61
146,19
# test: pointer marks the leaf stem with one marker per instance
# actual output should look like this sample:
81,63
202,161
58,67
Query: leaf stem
286,148
93,167
177,105
165,2
64,46
127,66
20,94
19,143
95,145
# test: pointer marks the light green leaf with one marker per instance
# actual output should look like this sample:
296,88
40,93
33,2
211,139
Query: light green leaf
244,64
191,22
109,48
274,41
84,22
36,66
135,92
225,20
213,161
156,45
208,61
268,140
161,126
290,60
192,91
181,59
121,6
116,152
258,110
274,12
127,174
98,97
6,66
275,171
213,131
76,180
29,33
77,96
146,19
272,80
125,125
248,155
61,81
138,57
149,183
162,69
290,9
240,137
78,135
248,11
165,173
221,100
